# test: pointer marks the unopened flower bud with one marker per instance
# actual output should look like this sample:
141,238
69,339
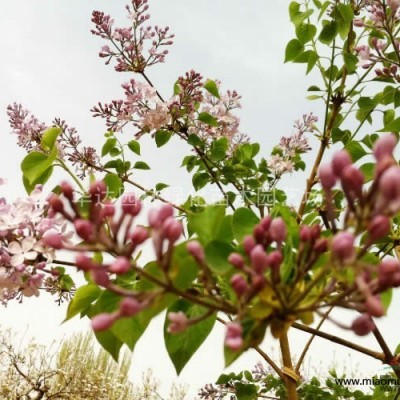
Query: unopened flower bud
259,259
157,217
178,322
67,190
172,229
259,233
326,176
266,222
358,22
98,191
84,263
340,160
139,235
236,260
342,246
53,239
85,229
352,180
258,282
239,284
389,266
379,227
108,210
248,244
275,259
121,265
374,306
233,336
196,250
102,322
56,203
321,245
130,204
315,231
363,325
129,307
305,233
277,230
100,276
384,146
389,183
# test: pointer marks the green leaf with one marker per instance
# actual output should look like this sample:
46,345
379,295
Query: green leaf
206,223
393,126
386,298
83,298
217,253
219,148
350,61
212,87
368,171
35,164
162,137
293,49
134,146
49,138
328,33
243,223
344,19
305,32
208,119
29,187
181,347
110,343
141,165
246,391
108,145
114,184
200,179
297,16
356,150
160,186
194,140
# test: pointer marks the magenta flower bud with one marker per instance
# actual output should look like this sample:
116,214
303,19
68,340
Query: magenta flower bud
239,284
100,276
327,176
53,239
342,246
259,259
258,282
352,180
195,249
121,265
233,336
248,244
358,22
178,322
157,217
129,307
321,245
374,306
102,322
236,260
108,210
139,235
390,183
388,267
259,233
265,223
173,229
379,227
384,146
98,191
85,229
315,232
67,190
340,160
84,263
363,325
305,233
130,204
275,259
56,203
277,230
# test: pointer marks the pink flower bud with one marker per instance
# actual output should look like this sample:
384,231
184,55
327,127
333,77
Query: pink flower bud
374,306
130,204
121,265
56,203
305,233
108,210
315,232
129,307
84,263
98,191
259,233
178,322
265,223
390,183
248,244
379,227
321,245
85,229
389,266
358,22
236,260
258,282
327,176
100,276
102,322
363,325
340,160
233,336
275,259
342,246
239,284
67,190
157,217
384,146
196,250
352,180
277,230
139,235
53,239
173,229
259,259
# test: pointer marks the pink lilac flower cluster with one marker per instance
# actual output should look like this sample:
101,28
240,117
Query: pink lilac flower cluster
136,47
111,229
29,131
370,209
24,254
289,147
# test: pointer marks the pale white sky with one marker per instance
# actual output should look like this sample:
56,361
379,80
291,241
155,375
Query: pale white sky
50,64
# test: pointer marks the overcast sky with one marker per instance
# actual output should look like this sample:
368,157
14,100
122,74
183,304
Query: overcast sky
49,63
